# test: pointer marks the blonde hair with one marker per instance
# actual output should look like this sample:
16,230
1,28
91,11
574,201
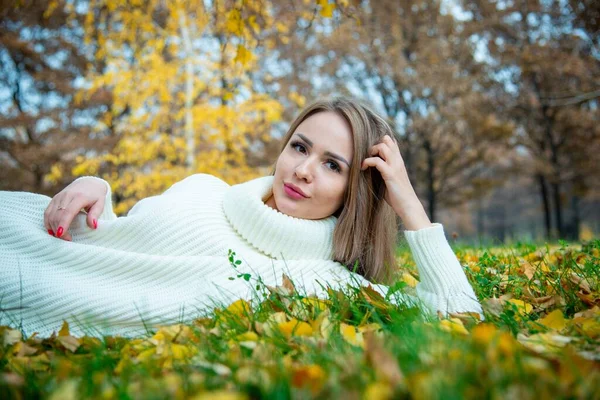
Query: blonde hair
366,232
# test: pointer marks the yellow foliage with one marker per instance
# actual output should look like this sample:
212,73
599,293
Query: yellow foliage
453,325
220,395
349,333
555,320
55,174
378,391
239,307
311,375
409,279
297,98
484,333
294,327
235,25
326,8
523,308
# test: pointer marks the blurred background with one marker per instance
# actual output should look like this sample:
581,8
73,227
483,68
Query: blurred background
495,102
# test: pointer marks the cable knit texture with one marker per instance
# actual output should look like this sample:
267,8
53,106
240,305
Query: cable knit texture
167,260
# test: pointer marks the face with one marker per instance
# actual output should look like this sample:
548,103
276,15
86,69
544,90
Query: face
316,161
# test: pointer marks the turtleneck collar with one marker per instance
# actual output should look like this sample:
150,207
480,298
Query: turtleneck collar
277,235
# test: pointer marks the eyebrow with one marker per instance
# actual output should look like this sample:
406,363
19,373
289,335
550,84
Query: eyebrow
327,153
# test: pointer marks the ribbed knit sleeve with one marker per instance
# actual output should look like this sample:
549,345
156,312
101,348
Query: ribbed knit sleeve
443,284
107,212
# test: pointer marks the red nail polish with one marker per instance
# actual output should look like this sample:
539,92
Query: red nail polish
59,232
95,224
50,232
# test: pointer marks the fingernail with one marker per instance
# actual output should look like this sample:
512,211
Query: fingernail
59,232
95,224
50,232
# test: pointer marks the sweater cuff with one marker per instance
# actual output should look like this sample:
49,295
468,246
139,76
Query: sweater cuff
107,212
443,284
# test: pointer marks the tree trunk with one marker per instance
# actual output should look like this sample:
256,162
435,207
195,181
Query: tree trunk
502,225
560,233
546,203
189,93
573,233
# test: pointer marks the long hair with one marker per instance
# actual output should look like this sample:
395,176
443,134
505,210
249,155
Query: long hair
364,239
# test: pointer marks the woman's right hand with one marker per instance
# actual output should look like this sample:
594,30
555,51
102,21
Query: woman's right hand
86,193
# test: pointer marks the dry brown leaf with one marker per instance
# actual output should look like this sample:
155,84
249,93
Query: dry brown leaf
381,360
591,299
582,282
287,283
506,296
466,317
592,312
22,349
538,300
544,343
11,336
493,306
12,379
528,270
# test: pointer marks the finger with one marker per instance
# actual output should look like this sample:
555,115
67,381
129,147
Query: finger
48,215
393,145
47,225
94,212
77,203
55,214
390,140
67,236
375,162
383,150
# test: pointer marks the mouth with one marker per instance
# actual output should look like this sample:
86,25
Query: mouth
293,191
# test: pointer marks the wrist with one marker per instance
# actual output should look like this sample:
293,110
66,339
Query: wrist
412,214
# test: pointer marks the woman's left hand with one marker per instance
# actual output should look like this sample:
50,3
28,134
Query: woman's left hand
399,194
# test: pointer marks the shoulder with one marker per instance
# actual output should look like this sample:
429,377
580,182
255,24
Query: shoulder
207,179
197,182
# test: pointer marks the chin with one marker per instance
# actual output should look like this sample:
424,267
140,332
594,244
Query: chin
284,207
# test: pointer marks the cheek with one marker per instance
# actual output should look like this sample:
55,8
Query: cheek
334,191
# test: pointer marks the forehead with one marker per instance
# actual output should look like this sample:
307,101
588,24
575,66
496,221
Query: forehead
328,131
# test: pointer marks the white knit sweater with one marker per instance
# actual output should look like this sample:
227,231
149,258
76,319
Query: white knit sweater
167,260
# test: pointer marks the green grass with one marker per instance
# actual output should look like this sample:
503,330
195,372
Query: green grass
354,345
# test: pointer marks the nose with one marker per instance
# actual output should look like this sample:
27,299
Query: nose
304,170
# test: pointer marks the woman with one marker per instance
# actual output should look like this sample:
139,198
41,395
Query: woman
331,206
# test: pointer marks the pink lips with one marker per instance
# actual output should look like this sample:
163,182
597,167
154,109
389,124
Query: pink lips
293,192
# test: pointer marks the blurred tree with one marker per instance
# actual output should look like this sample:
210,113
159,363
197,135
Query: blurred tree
181,68
408,59
587,18
41,129
552,74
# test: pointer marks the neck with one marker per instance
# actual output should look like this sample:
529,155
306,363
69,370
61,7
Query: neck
276,234
271,202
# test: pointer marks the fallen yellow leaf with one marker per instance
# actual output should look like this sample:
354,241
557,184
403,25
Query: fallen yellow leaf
454,325
239,307
378,391
555,320
409,279
311,375
294,327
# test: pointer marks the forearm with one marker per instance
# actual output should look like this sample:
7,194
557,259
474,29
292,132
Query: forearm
411,212
443,282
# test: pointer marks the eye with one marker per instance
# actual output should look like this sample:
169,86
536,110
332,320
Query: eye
296,145
334,166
